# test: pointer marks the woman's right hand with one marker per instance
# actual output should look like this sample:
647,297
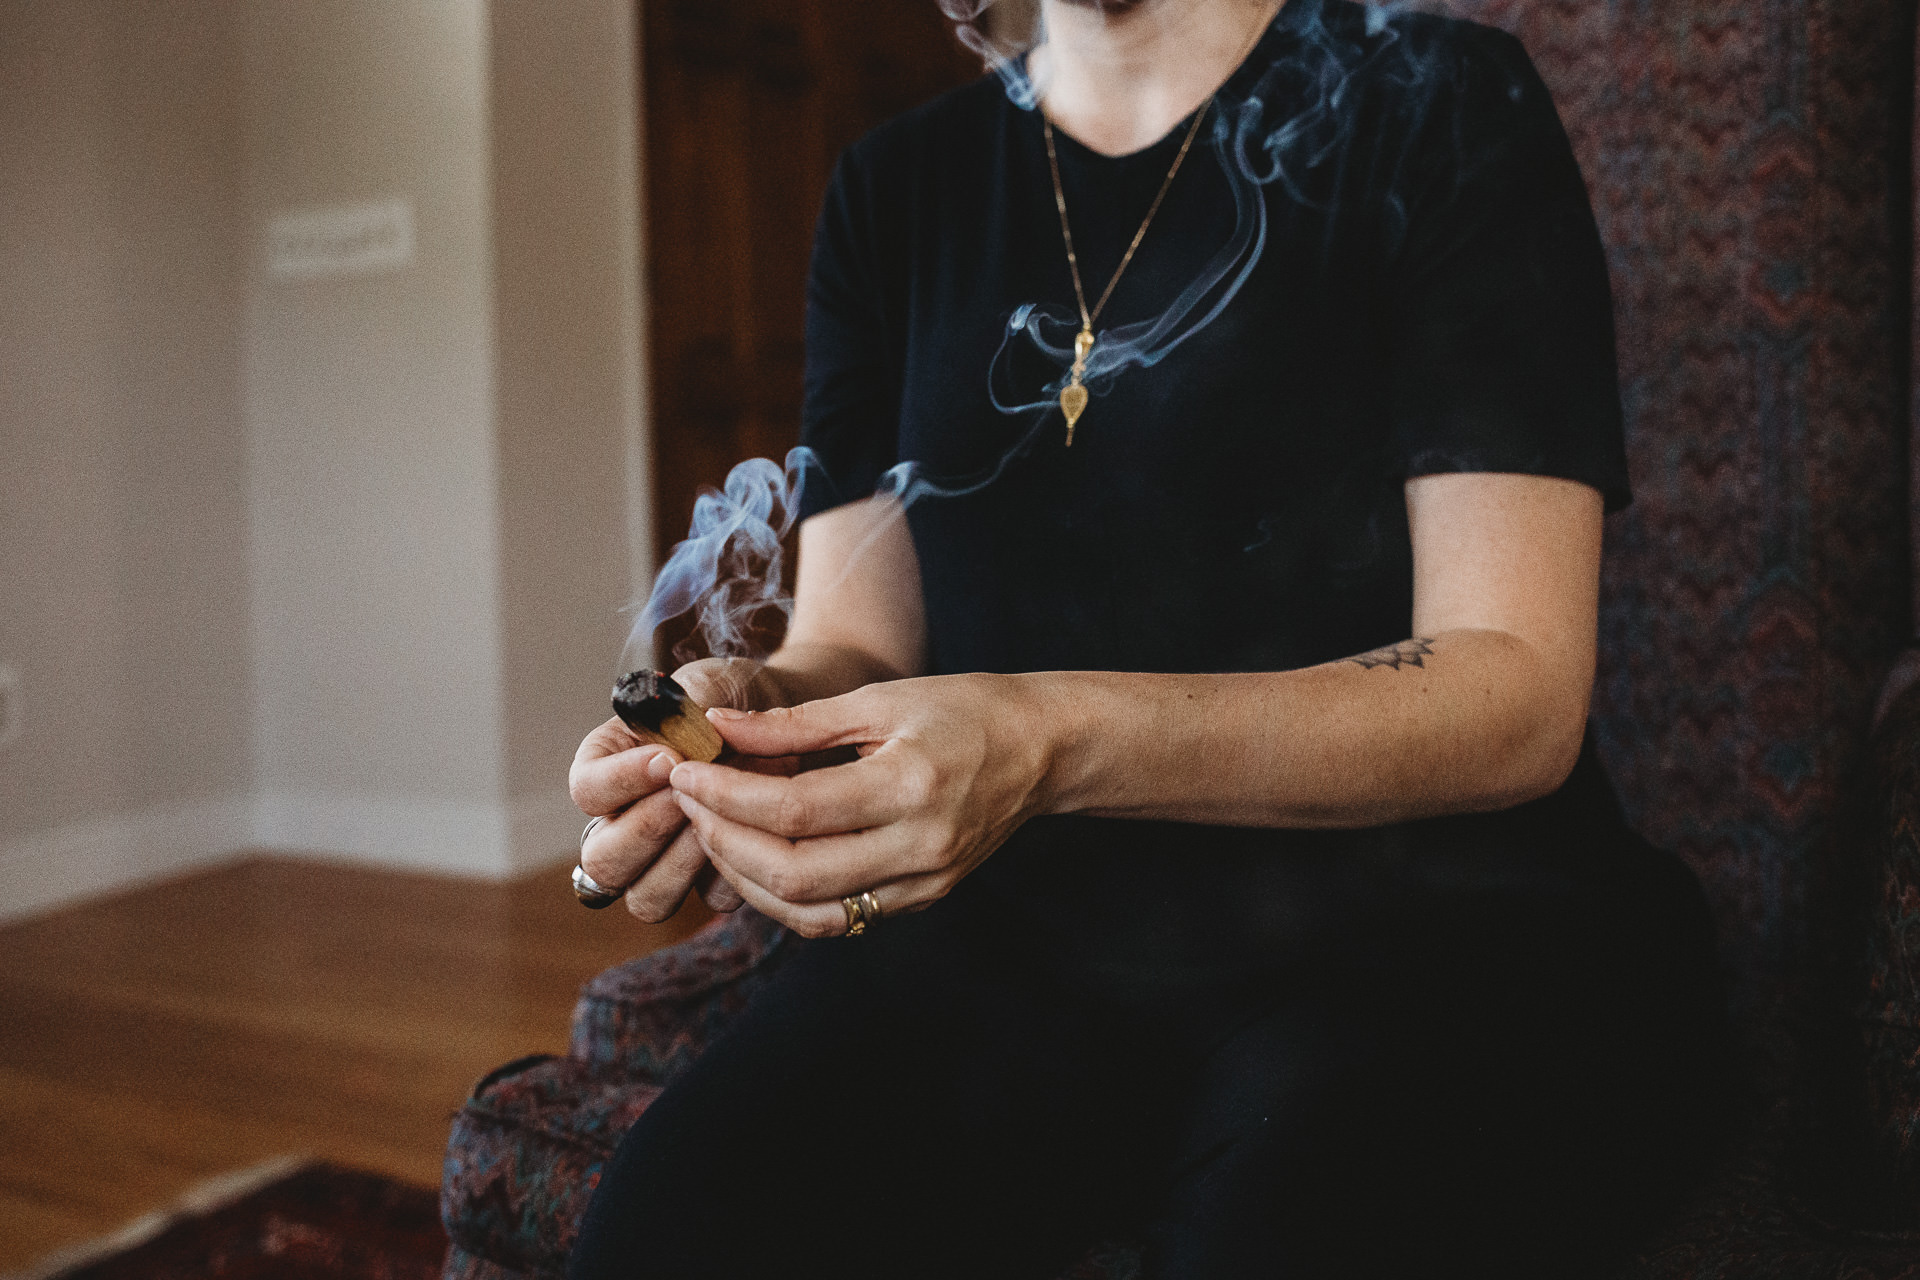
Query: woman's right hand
645,842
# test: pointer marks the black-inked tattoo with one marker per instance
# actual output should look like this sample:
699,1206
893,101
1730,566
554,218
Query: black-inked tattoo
1408,653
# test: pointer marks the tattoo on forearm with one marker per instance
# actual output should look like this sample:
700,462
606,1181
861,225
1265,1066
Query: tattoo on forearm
1408,653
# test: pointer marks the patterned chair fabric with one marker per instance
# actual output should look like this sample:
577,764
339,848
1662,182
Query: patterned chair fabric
1750,173
526,1154
651,1017
527,1148
1746,170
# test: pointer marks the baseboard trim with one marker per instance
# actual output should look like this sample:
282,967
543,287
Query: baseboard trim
46,870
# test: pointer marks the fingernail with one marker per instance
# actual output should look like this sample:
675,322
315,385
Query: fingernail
726,713
660,768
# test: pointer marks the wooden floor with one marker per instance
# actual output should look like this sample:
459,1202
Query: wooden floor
269,1006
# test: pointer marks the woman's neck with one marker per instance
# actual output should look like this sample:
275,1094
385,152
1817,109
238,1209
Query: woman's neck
1118,82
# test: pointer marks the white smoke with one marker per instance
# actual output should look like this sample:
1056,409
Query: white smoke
1295,115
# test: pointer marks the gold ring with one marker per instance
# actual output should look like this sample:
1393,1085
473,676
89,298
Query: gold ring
870,907
856,916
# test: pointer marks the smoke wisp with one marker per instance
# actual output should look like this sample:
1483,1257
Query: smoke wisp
1273,132
1295,116
730,571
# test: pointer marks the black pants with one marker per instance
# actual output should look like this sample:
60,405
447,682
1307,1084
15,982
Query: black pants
1512,1092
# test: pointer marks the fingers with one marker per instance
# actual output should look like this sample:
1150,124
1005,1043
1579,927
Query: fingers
814,871
724,682
848,797
623,847
829,919
718,891
662,889
849,720
612,769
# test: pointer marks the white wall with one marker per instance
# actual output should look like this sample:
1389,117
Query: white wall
123,591
570,440
371,531
377,688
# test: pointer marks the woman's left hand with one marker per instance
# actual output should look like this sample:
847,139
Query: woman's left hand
948,768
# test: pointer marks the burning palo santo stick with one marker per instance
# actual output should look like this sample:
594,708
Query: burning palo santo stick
659,710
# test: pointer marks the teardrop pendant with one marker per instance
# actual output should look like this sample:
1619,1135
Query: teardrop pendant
1073,396
1073,403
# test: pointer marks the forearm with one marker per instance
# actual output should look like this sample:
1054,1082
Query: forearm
810,672
857,617
1476,725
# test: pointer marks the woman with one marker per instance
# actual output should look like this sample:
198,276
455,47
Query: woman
1176,920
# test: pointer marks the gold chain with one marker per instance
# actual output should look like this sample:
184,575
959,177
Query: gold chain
1073,396
1066,230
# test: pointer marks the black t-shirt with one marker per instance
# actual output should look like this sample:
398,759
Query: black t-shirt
1428,294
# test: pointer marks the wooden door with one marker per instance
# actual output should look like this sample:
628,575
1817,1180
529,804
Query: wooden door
748,103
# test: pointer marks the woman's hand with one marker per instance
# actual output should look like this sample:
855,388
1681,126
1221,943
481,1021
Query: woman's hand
645,843
949,767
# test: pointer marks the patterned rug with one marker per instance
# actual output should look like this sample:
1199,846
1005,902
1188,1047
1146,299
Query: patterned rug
291,1220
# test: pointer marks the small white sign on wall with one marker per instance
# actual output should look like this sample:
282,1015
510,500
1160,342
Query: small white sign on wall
366,238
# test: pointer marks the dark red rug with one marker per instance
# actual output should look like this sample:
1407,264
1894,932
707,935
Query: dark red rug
313,1222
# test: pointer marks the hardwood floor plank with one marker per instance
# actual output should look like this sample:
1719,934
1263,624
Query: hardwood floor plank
151,1041
31,1229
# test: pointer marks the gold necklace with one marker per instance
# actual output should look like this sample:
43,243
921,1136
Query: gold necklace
1073,396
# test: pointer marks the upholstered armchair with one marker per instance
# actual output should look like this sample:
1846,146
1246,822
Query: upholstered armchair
1750,163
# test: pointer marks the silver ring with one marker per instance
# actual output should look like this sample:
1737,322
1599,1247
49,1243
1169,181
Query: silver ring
592,894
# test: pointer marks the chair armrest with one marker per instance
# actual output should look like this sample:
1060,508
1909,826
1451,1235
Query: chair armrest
653,1015
1889,881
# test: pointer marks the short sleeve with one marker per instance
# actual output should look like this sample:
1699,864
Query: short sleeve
850,415
1500,316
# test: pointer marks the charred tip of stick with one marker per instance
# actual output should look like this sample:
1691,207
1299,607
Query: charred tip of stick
647,699
659,710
